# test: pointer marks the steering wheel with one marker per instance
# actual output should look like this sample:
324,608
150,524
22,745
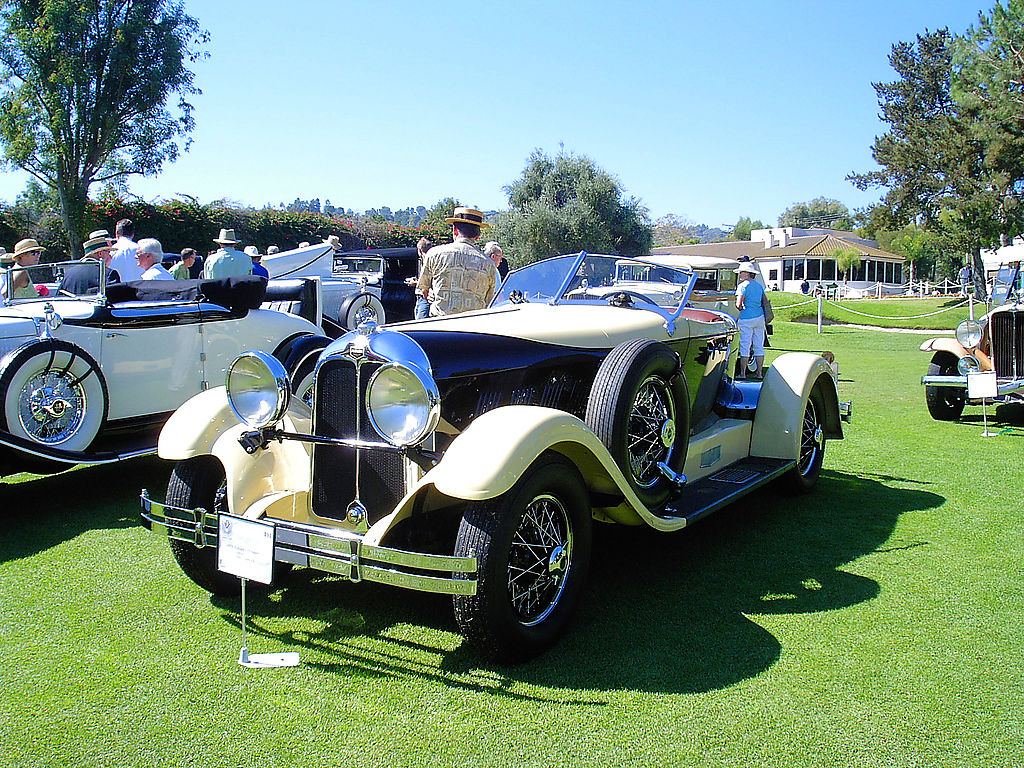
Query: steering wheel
614,298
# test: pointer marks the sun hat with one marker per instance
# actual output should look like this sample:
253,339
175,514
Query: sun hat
227,237
28,245
98,242
253,252
468,216
746,267
5,257
334,241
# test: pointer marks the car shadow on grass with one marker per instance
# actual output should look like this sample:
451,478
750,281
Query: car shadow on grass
40,511
661,613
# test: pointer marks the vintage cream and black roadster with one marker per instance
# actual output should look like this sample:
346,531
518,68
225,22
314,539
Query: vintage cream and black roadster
471,454
994,342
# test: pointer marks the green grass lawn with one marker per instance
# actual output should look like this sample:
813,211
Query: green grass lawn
875,622
938,313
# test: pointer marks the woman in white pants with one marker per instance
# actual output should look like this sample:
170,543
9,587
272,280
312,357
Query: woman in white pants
749,295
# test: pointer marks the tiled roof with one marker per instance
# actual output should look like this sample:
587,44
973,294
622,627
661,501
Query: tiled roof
814,245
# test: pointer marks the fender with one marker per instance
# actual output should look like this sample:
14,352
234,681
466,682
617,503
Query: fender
492,453
945,344
199,422
780,408
206,425
297,350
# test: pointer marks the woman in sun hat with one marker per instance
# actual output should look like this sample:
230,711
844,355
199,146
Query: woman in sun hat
26,254
751,320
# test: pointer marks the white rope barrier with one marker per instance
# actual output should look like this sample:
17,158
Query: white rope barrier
891,317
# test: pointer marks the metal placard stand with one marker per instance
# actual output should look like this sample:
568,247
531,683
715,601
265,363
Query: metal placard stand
982,385
245,548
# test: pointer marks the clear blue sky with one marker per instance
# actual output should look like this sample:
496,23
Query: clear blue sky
709,110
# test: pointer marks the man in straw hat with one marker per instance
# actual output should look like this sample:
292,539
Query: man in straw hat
461,277
228,261
256,257
84,278
16,284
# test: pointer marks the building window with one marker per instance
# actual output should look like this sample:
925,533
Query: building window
828,269
899,273
814,269
773,275
787,269
872,271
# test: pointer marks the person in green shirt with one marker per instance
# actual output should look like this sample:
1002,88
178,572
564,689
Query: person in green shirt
182,270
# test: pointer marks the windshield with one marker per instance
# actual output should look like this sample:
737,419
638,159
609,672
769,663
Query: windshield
348,265
597,279
1006,285
66,279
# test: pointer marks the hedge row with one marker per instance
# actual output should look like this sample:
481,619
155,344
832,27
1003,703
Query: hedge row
178,224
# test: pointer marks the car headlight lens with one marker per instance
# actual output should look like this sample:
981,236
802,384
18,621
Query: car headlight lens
258,389
968,333
968,365
403,404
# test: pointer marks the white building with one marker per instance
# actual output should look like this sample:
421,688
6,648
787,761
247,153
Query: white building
786,256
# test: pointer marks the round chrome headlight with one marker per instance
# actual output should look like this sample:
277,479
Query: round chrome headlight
968,365
968,333
258,389
403,404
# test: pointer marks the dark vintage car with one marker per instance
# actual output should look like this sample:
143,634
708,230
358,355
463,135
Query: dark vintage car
995,342
471,454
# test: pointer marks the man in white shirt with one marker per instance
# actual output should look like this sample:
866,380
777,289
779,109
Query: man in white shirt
149,254
123,261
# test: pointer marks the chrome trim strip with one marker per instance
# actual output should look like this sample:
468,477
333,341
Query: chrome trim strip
339,552
1003,386
69,457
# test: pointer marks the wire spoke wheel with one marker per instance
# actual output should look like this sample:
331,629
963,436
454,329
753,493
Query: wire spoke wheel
532,547
539,558
54,395
52,406
811,439
650,419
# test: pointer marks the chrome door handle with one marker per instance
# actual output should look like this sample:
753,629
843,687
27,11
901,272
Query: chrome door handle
112,334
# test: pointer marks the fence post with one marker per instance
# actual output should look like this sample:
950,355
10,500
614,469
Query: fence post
970,305
819,313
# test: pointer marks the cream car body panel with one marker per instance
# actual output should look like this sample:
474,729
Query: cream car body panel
787,385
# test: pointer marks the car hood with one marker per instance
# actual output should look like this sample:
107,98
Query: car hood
584,326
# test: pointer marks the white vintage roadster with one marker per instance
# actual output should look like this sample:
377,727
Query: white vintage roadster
88,379
472,454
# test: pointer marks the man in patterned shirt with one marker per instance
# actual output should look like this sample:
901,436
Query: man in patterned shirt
462,278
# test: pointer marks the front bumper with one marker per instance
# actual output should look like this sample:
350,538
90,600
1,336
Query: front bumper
326,549
1003,386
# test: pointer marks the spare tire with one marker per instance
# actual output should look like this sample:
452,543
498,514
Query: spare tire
53,394
639,407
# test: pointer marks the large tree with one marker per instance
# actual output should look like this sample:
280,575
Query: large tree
86,85
819,212
936,166
566,204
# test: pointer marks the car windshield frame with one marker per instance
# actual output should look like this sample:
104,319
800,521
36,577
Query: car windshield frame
1006,285
349,258
554,281
53,274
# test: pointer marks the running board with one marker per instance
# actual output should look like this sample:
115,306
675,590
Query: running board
724,487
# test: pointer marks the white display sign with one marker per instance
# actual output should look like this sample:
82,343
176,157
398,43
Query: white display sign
981,384
245,548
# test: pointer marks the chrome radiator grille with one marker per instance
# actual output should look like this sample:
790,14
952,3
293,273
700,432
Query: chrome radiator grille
1007,334
381,472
